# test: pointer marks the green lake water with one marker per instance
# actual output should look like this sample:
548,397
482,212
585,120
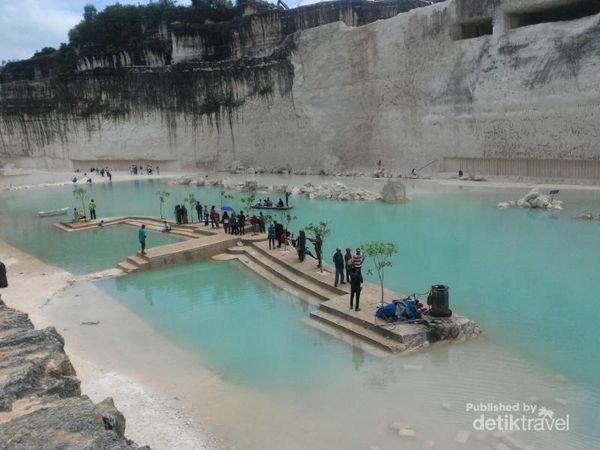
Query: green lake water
529,278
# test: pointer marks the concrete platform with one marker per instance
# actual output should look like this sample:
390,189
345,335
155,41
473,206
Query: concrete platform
334,303
304,279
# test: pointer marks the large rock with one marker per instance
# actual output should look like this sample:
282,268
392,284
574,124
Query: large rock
533,199
393,191
40,398
250,186
70,423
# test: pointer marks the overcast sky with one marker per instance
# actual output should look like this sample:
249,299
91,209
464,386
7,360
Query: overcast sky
29,25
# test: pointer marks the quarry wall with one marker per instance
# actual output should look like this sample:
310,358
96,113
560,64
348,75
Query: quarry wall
511,79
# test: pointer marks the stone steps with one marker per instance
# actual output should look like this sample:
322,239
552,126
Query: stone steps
268,275
137,260
375,325
281,271
352,329
333,291
128,267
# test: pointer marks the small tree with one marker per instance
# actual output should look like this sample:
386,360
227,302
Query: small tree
191,200
162,195
81,194
317,234
249,201
381,254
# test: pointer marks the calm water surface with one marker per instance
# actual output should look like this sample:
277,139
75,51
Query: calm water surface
530,278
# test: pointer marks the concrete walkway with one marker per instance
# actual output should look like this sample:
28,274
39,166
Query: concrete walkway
282,266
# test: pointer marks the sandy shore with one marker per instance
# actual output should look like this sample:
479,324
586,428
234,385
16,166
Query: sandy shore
53,297
16,179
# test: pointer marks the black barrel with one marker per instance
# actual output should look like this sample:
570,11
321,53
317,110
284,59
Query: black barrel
439,301
3,280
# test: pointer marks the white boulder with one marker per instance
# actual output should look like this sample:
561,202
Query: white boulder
393,191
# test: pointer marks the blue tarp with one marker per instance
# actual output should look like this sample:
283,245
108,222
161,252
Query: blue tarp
398,310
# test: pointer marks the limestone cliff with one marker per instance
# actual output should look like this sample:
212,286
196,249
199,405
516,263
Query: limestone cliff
327,87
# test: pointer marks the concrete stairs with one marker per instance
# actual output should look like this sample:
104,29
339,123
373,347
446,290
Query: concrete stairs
342,316
283,272
325,286
134,263
352,329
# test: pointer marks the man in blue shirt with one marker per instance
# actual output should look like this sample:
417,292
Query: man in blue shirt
142,238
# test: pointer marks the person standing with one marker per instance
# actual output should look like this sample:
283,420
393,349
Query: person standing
348,261
233,222
184,214
287,197
338,261
142,238
261,223
301,245
92,208
318,245
356,280
199,211
357,260
278,232
242,222
213,215
178,214
271,235
226,222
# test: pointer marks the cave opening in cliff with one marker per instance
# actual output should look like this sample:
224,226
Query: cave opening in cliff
560,13
471,30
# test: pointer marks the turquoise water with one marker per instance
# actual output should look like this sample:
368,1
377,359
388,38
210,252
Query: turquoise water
529,278
247,329
78,252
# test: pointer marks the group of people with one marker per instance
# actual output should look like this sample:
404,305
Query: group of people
181,214
80,214
348,266
268,203
134,169
102,172
352,264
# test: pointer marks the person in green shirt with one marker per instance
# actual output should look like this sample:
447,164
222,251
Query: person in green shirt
92,208
142,238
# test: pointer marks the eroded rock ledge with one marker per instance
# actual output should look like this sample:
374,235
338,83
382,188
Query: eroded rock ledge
41,405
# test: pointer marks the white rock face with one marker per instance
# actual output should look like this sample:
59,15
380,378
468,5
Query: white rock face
401,90
393,191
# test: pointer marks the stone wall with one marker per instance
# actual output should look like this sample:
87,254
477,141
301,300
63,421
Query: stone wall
408,90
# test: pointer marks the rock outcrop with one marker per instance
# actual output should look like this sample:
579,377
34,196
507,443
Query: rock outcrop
41,405
535,200
333,191
393,191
